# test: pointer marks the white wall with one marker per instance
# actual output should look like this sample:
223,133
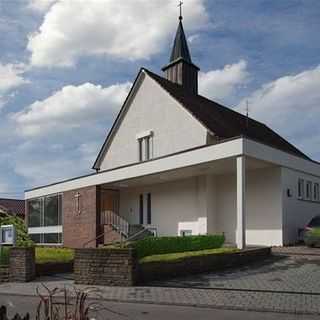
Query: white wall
296,213
263,211
175,206
153,109
207,204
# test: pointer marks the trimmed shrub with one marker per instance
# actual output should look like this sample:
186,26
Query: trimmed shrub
23,239
161,245
312,238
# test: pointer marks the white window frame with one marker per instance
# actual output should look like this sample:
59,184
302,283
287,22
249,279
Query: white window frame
309,190
316,192
145,145
300,188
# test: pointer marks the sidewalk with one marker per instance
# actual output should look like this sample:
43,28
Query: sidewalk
212,298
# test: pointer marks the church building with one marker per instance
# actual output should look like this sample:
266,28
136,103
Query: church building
175,163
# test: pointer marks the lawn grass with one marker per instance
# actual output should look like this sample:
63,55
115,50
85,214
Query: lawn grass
173,257
54,255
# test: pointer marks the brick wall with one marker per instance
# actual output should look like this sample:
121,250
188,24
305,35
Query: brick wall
109,267
22,264
4,274
83,226
201,264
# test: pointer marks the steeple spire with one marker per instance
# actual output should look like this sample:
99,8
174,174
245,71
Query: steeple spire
180,6
180,47
181,69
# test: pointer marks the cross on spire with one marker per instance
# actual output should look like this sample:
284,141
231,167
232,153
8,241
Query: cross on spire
180,7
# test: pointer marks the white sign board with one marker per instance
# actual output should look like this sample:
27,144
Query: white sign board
7,235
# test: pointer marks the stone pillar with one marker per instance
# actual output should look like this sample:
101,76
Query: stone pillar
106,267
22,264
241,203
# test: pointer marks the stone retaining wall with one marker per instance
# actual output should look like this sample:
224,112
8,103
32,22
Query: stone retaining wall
46,269
22,264
119,267
193,265
4,274
109,267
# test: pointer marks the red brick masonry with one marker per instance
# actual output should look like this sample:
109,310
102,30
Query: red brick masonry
80,226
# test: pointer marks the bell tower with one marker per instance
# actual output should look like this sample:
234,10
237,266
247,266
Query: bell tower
180,69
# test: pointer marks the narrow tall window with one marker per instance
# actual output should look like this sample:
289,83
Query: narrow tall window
145,148
141,209
140,142
316,195
308,190
300,188
149,208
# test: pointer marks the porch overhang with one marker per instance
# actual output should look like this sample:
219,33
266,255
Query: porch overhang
212,156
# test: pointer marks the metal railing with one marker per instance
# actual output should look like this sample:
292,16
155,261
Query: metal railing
118,223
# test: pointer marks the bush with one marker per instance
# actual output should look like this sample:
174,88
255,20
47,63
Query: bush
54,255
162,245
23,239
312,238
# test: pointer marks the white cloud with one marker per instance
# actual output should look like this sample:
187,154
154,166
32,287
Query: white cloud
73,107
219,84
291,105
40,5
127,29
11,77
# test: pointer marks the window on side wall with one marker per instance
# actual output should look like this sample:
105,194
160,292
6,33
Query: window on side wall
308,190
300,188
316,195
145,146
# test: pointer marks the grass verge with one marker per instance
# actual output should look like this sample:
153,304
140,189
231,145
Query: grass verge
173,257
54,255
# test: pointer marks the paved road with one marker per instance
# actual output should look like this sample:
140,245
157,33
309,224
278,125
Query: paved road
133,311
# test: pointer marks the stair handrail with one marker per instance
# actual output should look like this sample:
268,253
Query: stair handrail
108,217
94,239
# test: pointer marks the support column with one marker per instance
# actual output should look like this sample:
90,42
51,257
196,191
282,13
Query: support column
241,203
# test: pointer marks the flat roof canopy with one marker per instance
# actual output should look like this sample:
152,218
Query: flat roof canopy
215,159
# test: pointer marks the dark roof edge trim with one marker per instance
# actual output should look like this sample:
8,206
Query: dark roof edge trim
96,165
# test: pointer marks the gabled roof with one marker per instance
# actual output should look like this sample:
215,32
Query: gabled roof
219,120
13,206
225,122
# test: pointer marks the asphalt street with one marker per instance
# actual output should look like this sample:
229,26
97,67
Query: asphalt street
135,311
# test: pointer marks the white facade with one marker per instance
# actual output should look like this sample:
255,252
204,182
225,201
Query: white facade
297,211
242,188
207,204
151,109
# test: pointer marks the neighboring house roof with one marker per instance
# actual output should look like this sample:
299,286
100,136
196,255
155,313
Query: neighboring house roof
219,120
13,206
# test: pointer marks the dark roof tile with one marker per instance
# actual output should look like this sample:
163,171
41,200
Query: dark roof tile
225,122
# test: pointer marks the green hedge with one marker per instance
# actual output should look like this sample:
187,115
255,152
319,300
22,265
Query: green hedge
162,245
312,238
23,239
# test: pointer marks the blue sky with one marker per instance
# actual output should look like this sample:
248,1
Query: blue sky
66,66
